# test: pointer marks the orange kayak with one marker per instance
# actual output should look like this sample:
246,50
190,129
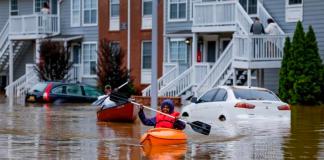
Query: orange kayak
163,136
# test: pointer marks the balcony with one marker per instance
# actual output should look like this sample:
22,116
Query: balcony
220,16
33,26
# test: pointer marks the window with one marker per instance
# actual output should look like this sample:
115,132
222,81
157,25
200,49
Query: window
75,13
178,51
146,55
208,96
91,91
90,12
253,94
58,90
250,6
292,2
89,59
114,8
147,7
294,10
13,7
177,9
39,5
73,90
220,96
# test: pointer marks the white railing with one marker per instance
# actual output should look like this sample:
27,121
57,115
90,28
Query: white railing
258,47
185,80
34,24
264,15
170,75
214,13
218,71
4,35
168,66
221,13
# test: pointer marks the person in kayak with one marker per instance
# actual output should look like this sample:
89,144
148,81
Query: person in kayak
163,121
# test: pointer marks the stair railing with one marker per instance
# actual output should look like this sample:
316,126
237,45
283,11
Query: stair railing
164,80
264,15
4,36
242,18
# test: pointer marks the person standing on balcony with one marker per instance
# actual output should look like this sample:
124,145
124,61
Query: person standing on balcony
45,12
257,29
271,29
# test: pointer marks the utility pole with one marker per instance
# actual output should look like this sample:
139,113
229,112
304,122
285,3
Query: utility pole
154,90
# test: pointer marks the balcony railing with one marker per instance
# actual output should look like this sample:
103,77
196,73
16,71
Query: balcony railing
258,47
34,24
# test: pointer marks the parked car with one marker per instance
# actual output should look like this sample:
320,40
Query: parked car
227,103
62,92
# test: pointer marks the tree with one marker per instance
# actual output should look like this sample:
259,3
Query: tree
304,68
111,70
54,63
284,83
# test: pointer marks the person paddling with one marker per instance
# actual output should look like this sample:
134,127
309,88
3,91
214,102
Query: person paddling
163,121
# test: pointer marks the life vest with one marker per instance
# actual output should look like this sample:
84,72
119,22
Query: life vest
163,121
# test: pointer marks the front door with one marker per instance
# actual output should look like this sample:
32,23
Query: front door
211,51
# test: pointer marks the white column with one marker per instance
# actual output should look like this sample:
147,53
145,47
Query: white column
11,91
234,77
37,54
194,60
128,33
249,77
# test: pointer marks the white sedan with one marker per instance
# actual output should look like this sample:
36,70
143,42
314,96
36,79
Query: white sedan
232,103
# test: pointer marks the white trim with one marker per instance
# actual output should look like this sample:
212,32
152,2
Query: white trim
34,6
205,46
177,19
11,10
72,52
293,12
221,40
71,14
82,59
90,24
148,72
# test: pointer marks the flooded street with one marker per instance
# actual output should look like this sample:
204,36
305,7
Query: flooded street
72,132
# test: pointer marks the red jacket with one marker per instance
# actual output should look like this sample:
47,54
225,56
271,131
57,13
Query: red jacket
163,121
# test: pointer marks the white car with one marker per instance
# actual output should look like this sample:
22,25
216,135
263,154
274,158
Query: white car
232,103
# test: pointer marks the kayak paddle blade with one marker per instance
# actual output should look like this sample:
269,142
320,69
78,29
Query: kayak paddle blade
200,127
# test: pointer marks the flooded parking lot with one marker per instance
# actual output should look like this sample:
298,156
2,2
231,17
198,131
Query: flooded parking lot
71,131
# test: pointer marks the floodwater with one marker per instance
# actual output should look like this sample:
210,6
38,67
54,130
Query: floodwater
72,132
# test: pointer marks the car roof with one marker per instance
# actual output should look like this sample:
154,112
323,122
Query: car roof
68,83
242,87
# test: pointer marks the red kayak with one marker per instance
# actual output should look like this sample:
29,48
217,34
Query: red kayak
122,113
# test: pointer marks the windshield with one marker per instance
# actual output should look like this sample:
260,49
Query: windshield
40,87
254,94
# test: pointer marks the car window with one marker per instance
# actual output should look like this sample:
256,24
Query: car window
254,94
91,91
221,95
208,96
40,87
73,90
58,90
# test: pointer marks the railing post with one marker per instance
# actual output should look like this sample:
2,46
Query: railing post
11,93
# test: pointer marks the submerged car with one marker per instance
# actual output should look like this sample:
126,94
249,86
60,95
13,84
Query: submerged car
62,92
227,103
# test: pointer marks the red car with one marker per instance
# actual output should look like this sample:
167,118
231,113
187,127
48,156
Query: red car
62,92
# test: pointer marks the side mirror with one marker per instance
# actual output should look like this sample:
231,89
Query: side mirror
194,100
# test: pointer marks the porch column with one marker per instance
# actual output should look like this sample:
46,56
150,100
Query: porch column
249,77
37,55
11,93
194,61
194,48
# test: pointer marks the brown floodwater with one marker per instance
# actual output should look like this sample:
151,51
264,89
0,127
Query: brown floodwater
71,131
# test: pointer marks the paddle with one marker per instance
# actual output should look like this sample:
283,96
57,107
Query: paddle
99,101
197,126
